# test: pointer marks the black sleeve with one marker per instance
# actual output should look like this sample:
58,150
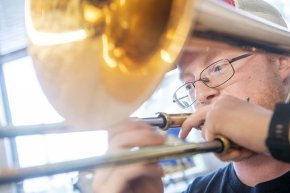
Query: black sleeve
215,182
278,141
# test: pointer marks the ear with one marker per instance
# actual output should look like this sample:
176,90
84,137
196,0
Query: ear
284,66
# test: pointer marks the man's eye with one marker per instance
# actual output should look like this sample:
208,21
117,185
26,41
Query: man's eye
188,86
205,80
217,68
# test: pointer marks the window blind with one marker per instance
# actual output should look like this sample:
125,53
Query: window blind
12,28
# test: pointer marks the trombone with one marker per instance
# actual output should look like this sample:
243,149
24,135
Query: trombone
127,51
148,154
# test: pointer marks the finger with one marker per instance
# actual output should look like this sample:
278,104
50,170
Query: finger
117,179
142,137
194,120
208,132
138,170
231,155
203,132
149,184
236,155
127,127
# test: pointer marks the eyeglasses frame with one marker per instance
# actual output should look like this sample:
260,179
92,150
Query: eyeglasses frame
203,81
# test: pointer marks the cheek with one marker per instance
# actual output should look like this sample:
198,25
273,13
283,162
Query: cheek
269,94
265,91
240,86
239,90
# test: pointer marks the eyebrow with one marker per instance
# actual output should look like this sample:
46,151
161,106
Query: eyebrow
210,56
183,75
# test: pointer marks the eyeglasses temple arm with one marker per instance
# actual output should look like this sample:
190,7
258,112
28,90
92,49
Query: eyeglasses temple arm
240,57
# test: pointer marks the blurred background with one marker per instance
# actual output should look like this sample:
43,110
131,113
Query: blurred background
23,105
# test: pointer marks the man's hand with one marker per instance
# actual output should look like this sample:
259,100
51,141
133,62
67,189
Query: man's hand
243,123
133,178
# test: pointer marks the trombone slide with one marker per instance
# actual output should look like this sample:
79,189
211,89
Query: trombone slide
147,154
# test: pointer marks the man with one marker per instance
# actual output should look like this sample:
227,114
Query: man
261,79
258,78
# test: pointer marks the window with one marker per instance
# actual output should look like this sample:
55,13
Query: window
29,106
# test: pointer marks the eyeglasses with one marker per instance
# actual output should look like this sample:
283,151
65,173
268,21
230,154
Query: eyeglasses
214,75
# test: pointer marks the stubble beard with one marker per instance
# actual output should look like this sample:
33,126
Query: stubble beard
275,93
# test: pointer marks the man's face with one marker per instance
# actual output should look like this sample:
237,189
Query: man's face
255,77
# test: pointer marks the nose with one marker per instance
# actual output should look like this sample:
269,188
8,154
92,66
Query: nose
204,94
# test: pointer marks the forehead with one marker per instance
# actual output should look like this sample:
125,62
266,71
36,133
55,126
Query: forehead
196,58
192,59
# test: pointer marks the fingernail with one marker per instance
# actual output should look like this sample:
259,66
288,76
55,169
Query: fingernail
180,133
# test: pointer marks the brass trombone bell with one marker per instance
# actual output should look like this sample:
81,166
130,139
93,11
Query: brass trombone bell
101,59
98,59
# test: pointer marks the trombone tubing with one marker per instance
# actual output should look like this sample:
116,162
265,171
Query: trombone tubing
141,155
163,121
